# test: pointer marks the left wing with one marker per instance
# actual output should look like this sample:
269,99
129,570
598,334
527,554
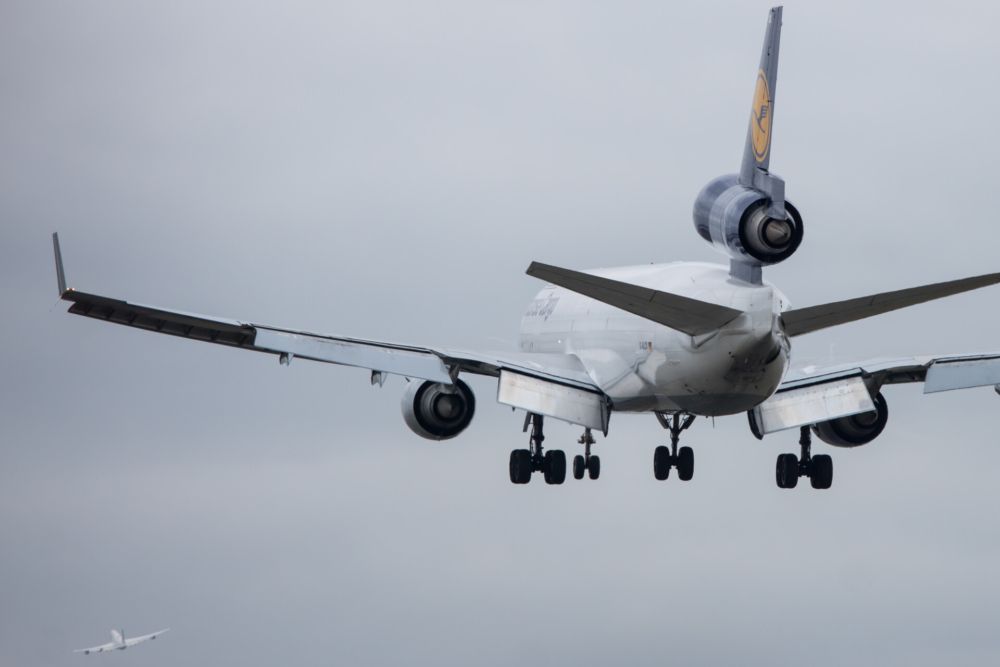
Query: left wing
132,641
560,386
811,395
96,649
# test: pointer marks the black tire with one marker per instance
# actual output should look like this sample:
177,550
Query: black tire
685,463
786,471
821,471
579,466
662,460
520,466
594,467
555,466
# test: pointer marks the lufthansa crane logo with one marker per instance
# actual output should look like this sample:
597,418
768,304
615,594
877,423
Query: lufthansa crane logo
760,118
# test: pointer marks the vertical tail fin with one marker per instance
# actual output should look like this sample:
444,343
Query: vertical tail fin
745,215
757,153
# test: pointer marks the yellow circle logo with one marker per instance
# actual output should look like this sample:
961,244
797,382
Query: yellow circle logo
760,118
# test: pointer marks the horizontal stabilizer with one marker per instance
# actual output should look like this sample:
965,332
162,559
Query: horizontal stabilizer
806,320
682,313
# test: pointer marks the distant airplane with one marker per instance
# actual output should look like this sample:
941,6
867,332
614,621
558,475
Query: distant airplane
119,642
675,340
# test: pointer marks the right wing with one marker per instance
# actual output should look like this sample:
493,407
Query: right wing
811,395
560,386
132,641
96,649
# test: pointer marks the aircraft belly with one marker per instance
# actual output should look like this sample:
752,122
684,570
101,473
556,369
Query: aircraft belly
695,395
724,377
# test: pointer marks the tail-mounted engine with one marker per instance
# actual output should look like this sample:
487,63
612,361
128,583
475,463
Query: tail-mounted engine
743,223
438,411
745,215
854,430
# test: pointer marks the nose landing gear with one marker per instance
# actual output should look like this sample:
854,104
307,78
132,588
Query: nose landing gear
683,459
524,462
819,468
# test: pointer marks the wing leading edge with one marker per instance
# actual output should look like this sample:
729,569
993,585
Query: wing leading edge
96,649
132,641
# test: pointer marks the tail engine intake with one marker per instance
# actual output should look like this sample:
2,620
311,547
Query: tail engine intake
740,221
745,215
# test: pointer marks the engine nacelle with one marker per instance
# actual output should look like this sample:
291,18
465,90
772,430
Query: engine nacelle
438,411
734,219
854,430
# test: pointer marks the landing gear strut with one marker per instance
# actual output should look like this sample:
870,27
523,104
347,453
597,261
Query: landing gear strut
523,462
586,463
819,468
683,459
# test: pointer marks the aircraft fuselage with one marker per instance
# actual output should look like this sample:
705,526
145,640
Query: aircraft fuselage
642,365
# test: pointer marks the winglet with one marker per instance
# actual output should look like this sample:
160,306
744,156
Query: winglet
60,273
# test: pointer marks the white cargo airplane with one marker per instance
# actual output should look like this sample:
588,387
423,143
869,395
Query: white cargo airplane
677,340
119,642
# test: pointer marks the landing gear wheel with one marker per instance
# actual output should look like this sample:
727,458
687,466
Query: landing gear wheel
665,458
819,468
520,466
554,466
661,463
821,471
786,471
685,463
594,467
586,463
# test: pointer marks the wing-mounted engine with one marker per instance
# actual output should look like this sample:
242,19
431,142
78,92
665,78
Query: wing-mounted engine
854,430
745,215
438,411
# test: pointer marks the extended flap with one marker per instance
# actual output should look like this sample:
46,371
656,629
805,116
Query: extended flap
570,404
948,375
813,404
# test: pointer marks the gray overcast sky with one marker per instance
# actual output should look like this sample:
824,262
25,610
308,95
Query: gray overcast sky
388,170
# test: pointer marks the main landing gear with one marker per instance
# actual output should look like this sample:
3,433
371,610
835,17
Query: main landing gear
524,462
586,463
819,468
683,459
